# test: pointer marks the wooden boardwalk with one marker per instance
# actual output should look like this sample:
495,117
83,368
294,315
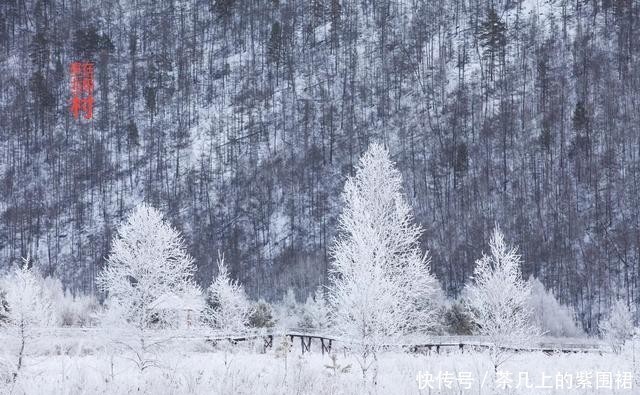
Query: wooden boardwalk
325,341
308,341
436,344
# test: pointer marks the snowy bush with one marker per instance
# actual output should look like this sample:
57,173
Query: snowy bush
3,307
52,288
261,315
315,312
497,300
79,310
381,284
288,311
553,318
228,306
457,320
69,309
618,328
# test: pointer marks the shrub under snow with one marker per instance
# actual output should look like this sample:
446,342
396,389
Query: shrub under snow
553,318
287,311
261,315
457,320
315,312
70,309
618,328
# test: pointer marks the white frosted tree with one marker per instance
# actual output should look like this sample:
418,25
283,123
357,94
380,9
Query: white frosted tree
553,318
26,308
381,286
498,300
315,311
288,311
618,328
229,308
148,261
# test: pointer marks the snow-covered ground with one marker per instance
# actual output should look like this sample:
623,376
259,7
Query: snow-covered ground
90,364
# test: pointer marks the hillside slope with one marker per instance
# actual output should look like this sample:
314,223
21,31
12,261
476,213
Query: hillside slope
241,119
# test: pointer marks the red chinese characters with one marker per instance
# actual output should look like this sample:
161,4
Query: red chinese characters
82,89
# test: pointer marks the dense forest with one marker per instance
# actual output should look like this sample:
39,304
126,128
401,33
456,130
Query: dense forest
240,120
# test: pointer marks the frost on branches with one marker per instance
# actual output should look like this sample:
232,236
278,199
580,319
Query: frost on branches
618,328
553,318
381,286
498,300
148,267
229,308
26,308
315,312
148,260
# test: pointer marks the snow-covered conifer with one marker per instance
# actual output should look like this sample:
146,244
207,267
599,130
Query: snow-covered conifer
261,315
315,312
229,308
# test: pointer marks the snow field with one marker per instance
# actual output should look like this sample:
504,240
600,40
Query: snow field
196,367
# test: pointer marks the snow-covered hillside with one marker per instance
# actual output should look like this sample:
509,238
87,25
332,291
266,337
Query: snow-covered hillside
241,120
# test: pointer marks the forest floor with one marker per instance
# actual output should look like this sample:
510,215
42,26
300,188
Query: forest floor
101,366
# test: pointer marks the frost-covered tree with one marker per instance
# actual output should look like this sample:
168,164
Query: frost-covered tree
618,328
148,263
553,318
148,260
315,311
26,308
497,300
381,284
229,308
261,315
457,320
288,311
